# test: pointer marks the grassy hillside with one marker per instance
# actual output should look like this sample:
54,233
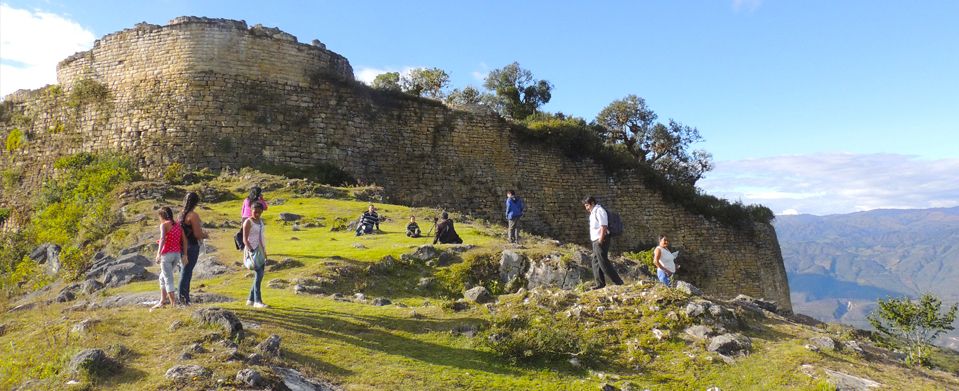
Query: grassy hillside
631,337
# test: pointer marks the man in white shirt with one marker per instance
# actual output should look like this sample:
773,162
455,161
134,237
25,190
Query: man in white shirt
599,236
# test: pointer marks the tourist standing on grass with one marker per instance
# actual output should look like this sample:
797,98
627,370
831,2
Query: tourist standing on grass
254,252
599,236
514,210
193,230
171,250
664,261
256,195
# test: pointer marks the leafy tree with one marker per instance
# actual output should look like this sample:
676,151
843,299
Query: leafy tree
916,323
665,147
389,81
429,82
469,95
516,94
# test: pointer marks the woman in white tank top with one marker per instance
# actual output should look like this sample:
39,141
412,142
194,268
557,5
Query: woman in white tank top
664,261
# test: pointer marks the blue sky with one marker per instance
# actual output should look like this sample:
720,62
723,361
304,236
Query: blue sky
868,85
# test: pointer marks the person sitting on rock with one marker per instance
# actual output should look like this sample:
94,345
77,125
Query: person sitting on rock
368,222
413,229
445,232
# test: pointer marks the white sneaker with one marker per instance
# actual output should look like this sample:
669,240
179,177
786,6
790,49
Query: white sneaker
260,305
249,302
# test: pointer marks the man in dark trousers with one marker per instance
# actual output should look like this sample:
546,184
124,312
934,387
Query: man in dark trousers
368,221
445,233
514,210
599,236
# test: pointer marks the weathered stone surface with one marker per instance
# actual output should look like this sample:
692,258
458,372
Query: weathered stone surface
688,288
512,265
278,283
730,344
90,286
65,296
554,271
757,303
188,373
92,362
151,298
250,377
295,381
290,217
270,347
423,253
286,263
478,295
208,266
700,331
426,283
221,317
847,382
823,343
85,325
381,301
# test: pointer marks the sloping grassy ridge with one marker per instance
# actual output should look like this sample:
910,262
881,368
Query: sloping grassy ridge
631,337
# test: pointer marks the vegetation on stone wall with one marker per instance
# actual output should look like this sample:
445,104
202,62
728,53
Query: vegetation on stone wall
325,173
87,91
173,173
16,139
10,178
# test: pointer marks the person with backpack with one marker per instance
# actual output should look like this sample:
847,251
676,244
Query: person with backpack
599,235
254,253
171,250
193,229
514,210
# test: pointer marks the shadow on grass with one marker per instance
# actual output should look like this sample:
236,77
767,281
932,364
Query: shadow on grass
366,336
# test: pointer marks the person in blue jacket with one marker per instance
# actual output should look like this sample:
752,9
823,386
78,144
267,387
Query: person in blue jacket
514,210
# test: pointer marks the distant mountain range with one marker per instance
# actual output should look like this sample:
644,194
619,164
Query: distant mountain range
838,265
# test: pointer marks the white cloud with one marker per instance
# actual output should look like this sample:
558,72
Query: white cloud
481,73
838,183
789,212
367,74
31,45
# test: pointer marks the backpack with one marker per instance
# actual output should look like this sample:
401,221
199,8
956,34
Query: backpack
615,224
238,239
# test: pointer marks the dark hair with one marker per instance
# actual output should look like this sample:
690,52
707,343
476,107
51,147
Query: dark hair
589,200
446,215
189,202
257,205
661,237
510,192
255,194
165,213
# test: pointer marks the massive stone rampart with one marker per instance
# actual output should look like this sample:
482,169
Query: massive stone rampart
213,93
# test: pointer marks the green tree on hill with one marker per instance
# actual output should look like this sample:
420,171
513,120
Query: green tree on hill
389,81
428,82
917,323
665,147
516,94
469,95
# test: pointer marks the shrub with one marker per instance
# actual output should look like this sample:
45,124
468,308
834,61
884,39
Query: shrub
324,173
88,91
916,323
15,140
477,269
10,177
644,259
173,173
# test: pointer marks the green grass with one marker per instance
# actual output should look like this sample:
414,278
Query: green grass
363,347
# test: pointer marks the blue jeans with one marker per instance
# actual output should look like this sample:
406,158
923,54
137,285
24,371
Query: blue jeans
255,295
192,254
663,277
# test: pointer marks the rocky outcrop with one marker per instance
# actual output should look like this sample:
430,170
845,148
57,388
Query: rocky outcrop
221,317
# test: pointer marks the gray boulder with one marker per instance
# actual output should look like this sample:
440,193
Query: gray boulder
295,381
250,377
39,254
270,347
208,266
511,265
763,304
847,382
700,331
290,217
554,271
221,317
423,253
124,273
65,296
92,362
688,288
426,283
85,325
90,286
53,259
479,295
730,344
188,372
381,301
823,343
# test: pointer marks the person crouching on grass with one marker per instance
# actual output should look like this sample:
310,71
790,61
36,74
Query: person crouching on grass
172,249
254,253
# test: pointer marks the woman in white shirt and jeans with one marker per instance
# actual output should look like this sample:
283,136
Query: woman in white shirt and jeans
664,260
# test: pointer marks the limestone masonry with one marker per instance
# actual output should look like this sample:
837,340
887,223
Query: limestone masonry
215,93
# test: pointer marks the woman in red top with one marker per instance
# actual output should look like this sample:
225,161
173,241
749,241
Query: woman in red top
172,248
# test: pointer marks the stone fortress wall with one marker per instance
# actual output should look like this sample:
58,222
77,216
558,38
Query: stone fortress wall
214,93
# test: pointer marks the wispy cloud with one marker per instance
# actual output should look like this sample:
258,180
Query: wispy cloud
837,183
31,45
367,74
480,74
747,5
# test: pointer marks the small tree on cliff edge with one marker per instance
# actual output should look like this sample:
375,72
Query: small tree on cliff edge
917,323
516,94
665,147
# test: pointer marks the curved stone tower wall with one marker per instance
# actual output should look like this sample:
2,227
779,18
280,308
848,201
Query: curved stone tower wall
213,93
